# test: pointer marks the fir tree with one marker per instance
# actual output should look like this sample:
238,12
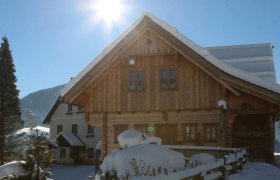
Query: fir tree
37,154
9,100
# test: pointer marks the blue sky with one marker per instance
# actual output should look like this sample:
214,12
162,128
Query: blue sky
53,40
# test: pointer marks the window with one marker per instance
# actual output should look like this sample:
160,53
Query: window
59,128
189,132
168,79
80,109
90,153
118,129
210,133
136,81
74,128
62,153
69,109
90,129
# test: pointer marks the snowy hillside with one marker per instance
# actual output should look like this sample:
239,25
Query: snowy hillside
22,134
39,103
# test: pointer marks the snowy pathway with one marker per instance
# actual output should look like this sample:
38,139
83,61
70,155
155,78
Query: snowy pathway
67,172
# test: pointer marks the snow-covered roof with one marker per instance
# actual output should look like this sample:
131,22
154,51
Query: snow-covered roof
256,59
70,138
203,52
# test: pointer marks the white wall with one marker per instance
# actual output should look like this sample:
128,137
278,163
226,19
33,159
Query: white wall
62,117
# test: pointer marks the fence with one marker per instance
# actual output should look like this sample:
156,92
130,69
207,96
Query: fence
233,160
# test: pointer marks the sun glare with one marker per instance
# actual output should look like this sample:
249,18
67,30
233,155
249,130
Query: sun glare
109,11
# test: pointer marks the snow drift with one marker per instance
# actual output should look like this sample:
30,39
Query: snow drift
11,169
141,155
133,137
147,156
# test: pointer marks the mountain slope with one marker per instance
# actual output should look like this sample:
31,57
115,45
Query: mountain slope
39,103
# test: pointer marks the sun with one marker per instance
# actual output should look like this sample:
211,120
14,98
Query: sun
109,11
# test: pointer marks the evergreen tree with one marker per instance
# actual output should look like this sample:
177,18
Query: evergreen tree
37,154
9,100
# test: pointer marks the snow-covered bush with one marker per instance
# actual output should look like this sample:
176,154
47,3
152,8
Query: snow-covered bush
153,157
11,169
133,137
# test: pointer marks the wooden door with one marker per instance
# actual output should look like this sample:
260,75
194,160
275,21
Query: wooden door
167,133
251,131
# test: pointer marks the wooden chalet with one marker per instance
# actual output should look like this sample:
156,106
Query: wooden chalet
154,79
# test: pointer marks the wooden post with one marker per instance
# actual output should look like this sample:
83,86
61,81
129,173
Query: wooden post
223,113
104,134
271,138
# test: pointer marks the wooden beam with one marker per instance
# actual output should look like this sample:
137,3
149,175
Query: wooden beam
252,89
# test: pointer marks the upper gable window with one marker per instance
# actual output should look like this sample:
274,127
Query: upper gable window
168,79
136,80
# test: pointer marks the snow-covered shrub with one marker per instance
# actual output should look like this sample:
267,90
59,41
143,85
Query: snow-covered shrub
11,169
202,158
139,168
153,157
133,137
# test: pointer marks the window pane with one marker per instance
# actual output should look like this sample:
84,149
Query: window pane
173,79
69,108
59,128
62,153
140,84
132,80
164,76
90,129
74,128
118,129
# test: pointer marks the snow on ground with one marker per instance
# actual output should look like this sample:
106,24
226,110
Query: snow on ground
68,172
11,168
257,171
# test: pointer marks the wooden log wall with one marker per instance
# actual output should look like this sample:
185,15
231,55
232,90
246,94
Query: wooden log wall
196,92
195,89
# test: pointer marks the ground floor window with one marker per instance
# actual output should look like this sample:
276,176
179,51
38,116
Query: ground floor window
117,130
189,132
90,153
210,132
62,153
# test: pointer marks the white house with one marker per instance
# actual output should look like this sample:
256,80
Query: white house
76,138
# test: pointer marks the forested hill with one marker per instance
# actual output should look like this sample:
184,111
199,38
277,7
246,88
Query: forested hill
39,102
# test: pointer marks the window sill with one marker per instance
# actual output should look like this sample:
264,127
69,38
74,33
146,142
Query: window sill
90,135
79,112
211,141
69,113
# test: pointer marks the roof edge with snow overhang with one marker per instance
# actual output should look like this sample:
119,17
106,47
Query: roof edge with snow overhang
199,50
71,138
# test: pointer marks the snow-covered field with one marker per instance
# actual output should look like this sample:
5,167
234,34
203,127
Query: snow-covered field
67,172
257,171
